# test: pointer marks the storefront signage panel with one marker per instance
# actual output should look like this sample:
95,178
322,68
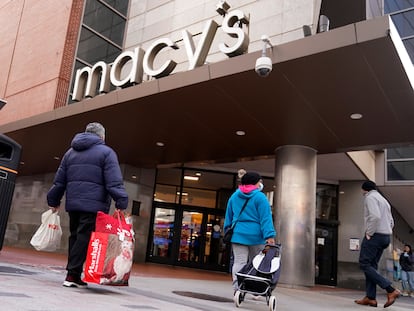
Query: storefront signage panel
87,79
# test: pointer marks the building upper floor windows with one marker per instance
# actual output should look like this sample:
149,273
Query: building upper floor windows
402,14
391,6
102,33
105,21
400,164
404,22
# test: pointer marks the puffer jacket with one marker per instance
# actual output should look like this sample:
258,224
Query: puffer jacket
90,175
255,224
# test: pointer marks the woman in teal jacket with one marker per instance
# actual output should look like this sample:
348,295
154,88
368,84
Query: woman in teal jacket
254,227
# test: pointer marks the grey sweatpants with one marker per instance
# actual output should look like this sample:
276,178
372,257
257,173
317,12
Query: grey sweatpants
242,254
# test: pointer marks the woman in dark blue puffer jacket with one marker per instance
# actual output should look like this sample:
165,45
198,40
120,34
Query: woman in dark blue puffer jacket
90,175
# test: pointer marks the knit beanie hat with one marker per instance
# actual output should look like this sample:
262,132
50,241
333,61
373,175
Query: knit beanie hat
250,178
369,185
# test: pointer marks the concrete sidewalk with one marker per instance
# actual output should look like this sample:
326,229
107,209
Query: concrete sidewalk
33,281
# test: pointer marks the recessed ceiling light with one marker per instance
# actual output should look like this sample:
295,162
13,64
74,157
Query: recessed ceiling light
56,158
356,116
198,174
134,176
160,144
240,133
184,193
195,178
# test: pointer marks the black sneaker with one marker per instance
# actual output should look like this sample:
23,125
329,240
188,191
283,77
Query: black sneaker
72,281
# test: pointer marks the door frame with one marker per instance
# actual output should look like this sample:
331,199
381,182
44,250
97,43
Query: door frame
173,259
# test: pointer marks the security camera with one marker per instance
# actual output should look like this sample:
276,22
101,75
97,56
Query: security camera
263,66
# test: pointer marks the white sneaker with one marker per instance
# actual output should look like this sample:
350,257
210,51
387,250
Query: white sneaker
74,282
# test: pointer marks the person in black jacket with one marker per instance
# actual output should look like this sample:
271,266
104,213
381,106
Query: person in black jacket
90,175
407,271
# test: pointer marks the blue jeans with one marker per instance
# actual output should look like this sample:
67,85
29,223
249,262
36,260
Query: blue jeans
370,255
407,279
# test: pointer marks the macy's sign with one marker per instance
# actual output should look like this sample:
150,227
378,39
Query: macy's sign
87,79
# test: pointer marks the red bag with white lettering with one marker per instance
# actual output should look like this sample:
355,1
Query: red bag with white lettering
110,251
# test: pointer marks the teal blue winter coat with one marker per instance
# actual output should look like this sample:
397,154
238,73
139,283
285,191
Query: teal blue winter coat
255,224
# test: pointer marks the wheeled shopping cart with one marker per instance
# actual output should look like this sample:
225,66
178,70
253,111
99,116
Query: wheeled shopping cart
260,276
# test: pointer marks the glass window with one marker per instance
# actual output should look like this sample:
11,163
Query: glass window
207,180
93,48
191,235
203,188
409,45
400,153
102,33
104,21
215,251
198,197
120,5
163,231
397,5
400,170
165,193
326,202
169,176
404,23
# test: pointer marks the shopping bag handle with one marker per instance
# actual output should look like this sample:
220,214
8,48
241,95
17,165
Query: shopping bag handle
118,214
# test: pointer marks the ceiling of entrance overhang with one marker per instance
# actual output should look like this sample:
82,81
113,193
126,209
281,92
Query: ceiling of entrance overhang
316,84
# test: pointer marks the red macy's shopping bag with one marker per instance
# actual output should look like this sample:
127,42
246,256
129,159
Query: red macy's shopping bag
109,257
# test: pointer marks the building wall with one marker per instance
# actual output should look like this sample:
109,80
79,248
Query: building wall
33,36
281,20
29,202
351,218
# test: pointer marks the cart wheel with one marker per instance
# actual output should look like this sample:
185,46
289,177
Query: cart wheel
272,303
238,298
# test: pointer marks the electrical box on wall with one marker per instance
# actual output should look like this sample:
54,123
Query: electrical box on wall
136,205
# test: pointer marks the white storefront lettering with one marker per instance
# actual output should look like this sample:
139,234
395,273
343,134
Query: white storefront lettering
87,79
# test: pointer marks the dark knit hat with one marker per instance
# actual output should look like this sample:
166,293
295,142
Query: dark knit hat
250,178
369,185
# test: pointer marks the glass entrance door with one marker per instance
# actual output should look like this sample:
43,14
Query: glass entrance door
201,242
191,237
163,234
326,253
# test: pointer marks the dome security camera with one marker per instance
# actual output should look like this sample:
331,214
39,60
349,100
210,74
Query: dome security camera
264,63
263,66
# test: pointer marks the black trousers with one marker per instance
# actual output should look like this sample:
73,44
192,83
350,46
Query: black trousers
81,226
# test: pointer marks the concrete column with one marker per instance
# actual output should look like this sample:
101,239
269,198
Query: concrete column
294,201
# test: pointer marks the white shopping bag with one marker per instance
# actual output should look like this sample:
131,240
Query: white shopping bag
47,237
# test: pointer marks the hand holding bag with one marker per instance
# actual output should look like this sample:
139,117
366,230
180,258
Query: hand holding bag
228,234
48,236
